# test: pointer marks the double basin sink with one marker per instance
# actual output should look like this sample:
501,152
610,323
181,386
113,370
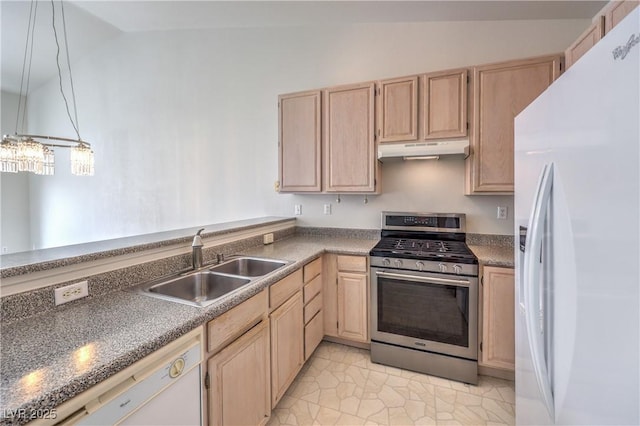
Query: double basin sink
203,287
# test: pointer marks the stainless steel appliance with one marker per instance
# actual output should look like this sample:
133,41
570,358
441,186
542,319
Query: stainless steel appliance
424,296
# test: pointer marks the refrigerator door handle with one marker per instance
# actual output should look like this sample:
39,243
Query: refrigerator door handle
532,270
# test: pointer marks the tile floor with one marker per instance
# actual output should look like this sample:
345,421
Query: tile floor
340,385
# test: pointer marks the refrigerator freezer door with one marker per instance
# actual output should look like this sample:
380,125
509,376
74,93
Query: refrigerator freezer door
586,123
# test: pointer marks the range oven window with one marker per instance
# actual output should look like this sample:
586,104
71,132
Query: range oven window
433,312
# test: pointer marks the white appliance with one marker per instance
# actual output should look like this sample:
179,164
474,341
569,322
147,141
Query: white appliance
577,205
163,388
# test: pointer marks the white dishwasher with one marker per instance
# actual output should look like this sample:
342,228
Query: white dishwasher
163,389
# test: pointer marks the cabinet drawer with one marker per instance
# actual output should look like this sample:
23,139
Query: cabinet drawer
313,333
233,323
312,308
352,263
285,288
312,269
312,288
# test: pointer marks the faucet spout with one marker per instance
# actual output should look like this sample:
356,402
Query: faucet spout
196,250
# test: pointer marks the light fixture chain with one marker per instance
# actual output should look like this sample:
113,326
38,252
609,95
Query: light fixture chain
66,103
30,29
66,44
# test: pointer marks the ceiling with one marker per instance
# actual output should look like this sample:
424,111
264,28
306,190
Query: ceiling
169,15
92,23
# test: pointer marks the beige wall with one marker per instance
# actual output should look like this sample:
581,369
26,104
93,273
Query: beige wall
15,232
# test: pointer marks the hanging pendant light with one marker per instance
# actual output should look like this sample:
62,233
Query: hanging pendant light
22,152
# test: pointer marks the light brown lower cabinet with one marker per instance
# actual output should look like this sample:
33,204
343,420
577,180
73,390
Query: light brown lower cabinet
346,298
287,345
313,334
240,380
498,318
353,318
313,301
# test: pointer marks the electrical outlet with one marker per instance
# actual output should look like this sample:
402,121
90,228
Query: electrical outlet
327,209
71,292
267,238
297,209
502,212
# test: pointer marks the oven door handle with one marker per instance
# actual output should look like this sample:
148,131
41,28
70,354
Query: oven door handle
432,280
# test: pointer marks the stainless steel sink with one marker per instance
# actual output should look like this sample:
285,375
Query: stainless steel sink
200,288
203,287
248,266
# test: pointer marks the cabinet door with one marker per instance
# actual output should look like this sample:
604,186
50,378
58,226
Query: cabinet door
616,11
500,92
287,346
586,41
240,380
350,163
444,104
498,318
398,109
330,294
353,316
299,142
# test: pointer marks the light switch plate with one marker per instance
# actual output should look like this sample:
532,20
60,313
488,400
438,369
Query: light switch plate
502,212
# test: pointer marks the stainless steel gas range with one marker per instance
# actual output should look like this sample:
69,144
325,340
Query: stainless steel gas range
424,296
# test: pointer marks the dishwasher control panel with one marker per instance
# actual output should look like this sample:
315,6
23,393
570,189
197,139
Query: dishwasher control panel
135,391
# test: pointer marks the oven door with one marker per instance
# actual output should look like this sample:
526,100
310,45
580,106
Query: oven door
425,311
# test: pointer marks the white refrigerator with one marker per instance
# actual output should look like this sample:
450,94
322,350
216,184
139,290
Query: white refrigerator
577,211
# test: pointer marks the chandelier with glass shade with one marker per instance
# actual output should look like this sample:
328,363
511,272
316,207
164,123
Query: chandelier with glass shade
21,152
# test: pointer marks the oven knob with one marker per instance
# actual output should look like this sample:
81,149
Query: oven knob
443,267
386,262
457,269
420,265
398,263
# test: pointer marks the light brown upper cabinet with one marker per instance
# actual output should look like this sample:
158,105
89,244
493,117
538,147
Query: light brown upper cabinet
500,92
615,12
432,106
444,104
350,163
398,109
586,41
299,142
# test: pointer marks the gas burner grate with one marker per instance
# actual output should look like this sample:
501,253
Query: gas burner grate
415,248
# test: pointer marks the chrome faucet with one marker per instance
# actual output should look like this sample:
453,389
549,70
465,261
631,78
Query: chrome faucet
196,250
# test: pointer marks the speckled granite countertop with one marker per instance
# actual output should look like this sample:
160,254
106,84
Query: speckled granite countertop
48,359
493,255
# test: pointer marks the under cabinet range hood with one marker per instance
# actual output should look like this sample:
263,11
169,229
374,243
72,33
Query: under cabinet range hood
422,150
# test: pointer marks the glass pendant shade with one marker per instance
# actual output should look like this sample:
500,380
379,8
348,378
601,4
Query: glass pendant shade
48,167
8,157
30,156
82,160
